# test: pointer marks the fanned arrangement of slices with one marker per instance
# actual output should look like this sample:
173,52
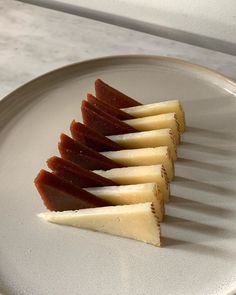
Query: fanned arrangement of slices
115,170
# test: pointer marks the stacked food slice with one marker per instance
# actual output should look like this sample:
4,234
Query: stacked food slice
121,159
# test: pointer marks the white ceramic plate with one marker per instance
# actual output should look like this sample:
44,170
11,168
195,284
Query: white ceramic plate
199,253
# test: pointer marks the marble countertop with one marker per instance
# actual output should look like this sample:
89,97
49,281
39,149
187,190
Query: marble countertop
35,40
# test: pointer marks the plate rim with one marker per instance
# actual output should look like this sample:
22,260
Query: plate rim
182,62
48,74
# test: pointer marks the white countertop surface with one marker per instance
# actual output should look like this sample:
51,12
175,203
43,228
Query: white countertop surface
35,40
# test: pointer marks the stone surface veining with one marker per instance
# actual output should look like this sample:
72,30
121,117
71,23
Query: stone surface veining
35,40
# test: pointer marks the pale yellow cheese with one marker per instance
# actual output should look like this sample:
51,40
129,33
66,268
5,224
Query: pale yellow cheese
136,221
157,122
139,174
144,157
132,194
157,108
146,139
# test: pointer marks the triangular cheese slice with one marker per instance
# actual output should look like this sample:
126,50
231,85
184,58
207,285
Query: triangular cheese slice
139,174
156,122
136,221
147,139
132,194
157,108
144,157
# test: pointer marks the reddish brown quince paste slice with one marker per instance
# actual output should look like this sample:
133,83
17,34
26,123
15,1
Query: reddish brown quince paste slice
59,195
112,96
102,122
100,111
108,108
75,174
84,156
92,139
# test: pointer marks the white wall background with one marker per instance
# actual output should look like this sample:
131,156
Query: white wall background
190,19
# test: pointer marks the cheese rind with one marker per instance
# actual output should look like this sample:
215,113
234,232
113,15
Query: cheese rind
156,122
136,221
131,194
146,139
158,108
144,157
139,174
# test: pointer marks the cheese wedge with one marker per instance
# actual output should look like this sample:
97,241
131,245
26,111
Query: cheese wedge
146,139
131,194
136,221
139,174
170,106
156,122
144,157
